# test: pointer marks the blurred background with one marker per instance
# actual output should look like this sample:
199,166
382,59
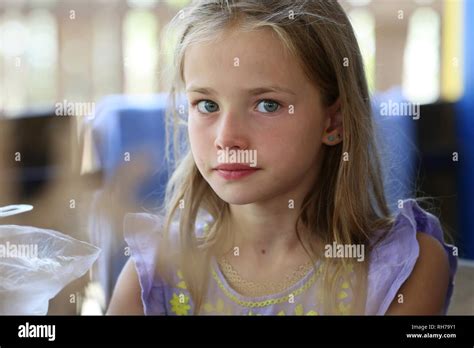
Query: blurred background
82,98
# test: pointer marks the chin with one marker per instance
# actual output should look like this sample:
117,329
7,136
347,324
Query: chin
237,201
237,195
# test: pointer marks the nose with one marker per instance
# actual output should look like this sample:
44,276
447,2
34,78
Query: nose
231,132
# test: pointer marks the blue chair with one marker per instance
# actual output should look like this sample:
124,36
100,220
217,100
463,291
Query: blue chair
397,146
135,126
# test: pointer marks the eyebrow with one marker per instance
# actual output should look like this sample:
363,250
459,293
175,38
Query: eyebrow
251,91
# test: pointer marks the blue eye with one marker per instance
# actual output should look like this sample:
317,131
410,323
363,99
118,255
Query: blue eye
269,106
207,106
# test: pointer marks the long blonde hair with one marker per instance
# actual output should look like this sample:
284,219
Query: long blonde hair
349,207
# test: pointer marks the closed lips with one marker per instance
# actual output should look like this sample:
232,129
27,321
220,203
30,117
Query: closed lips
235,167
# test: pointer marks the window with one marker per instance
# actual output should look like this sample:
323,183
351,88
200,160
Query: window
421,72
41,58
140,51
364,26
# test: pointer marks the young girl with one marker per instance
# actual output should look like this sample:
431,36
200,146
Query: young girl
277,207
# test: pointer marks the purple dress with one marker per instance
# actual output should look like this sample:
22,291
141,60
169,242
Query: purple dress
391,263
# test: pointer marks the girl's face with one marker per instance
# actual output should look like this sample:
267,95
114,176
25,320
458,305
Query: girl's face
245,92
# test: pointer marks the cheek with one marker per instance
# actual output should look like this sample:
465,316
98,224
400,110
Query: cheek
293,142
196,132
192,133
199,142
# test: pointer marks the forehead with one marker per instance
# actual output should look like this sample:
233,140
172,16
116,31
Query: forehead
242,58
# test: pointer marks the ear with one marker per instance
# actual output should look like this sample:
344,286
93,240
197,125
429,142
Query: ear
332,134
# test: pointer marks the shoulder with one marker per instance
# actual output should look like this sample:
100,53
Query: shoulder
424,291
412,269
126,297
431,251
136,280
155,254
143,233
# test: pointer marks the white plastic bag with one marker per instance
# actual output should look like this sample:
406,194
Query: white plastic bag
36,264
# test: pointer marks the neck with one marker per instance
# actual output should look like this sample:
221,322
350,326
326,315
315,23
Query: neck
262,231
265,239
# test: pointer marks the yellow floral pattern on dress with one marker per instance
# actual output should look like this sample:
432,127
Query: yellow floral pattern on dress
181,284
180,304
312,313
343,307
299,310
